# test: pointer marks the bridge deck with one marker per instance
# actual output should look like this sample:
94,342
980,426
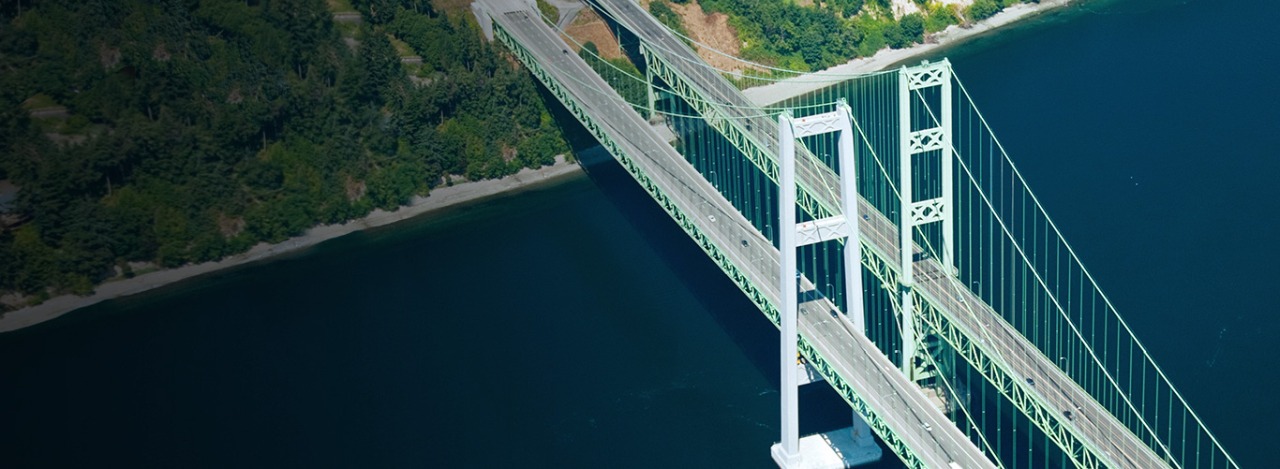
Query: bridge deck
762,130
1119,446
897,401
1091,422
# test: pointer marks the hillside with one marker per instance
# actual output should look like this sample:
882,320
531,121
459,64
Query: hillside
139,135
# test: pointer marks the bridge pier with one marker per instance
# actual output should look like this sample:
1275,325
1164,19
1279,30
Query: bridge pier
837,449
905,419
850,446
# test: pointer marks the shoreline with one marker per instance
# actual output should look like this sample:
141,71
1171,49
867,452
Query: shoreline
437,199
886,58
473,190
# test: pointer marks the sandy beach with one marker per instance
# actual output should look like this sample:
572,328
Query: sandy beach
437,199
458,193
886,58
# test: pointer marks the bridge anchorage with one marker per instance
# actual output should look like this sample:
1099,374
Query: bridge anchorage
973,338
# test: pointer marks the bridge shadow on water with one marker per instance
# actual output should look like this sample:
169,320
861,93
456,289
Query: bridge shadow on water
821,408
756,339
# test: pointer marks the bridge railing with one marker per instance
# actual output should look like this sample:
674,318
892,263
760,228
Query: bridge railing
1010,252
1007,249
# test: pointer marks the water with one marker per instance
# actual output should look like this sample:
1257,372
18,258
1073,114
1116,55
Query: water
544,329
1145,127
575,326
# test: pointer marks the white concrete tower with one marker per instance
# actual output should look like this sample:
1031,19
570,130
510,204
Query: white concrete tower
841,226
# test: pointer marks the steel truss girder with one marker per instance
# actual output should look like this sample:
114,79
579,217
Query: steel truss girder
876,262
732,131
885,271
859,405
754,150
880,267
756,153
686,222
690,227
1083,454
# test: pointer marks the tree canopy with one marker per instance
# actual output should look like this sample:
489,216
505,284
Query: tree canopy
194,129
827,33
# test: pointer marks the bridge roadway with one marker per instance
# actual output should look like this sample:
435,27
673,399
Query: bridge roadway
1115,445
760,129
895,400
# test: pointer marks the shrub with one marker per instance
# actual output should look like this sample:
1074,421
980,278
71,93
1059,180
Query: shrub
982,9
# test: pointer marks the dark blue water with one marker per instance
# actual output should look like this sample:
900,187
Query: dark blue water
1147,129
575,326
556,327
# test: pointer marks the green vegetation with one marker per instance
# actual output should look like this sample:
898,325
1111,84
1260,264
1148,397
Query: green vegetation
983,9
665,15
618,73
38,101
339,5
198,128
906,31
938,17
787,35
550,12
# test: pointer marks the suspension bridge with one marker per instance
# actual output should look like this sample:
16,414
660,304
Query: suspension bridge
879,223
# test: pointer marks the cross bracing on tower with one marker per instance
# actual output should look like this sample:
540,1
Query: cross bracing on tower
1004,328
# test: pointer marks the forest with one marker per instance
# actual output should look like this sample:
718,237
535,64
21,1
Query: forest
146,134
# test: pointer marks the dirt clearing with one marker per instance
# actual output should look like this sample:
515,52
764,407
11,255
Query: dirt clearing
589,27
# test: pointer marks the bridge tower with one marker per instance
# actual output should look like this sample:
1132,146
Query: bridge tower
928,142
843,226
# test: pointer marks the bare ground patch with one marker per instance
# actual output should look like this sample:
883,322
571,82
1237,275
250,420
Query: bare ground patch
589,27
452,6
714,31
